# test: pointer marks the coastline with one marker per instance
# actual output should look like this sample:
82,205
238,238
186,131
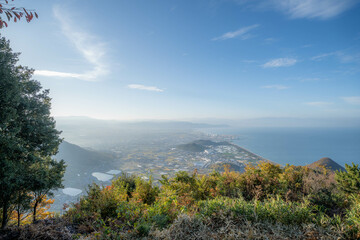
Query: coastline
246,150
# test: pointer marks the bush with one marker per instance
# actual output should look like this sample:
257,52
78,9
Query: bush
296,201
353,217
349,181
271,210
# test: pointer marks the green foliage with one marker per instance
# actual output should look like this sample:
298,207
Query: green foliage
272,210
349,181
145,192
261,181
28,137
125,184
265,195
352,217
293,180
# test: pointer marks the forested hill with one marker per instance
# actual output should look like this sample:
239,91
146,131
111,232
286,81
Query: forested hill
327,163
81,163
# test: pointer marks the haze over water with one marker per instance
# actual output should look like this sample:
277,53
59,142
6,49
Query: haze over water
298,146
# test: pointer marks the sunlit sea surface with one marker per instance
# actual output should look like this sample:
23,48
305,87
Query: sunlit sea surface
298,146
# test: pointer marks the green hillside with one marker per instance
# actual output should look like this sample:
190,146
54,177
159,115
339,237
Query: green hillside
192,147
220,167
265,201
327,163
81,163
200,145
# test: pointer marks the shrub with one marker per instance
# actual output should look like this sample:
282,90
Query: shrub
145,191
296,201
349,181
353,217
261,181
271,210
292,181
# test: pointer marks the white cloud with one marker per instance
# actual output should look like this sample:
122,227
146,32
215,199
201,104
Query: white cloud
91,49
277,87
47,73
242,33
146,88
280,62
321,56
322,9
319,104
340,55
352,100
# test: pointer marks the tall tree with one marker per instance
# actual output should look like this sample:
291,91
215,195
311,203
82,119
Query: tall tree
27,131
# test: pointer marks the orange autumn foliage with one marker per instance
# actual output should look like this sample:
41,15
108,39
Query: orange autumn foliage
26,217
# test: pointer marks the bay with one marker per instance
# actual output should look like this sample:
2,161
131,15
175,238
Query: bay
298,146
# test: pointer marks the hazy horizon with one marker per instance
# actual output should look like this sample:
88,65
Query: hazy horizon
239,122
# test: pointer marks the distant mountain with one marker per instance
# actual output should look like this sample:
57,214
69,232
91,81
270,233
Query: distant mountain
71,122
210,143
200,145
81,163
105,134
326,162
192,147
220,167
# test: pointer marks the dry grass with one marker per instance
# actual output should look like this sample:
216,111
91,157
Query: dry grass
53,229
186,227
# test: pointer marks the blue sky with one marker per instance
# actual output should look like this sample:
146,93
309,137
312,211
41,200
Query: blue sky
227,59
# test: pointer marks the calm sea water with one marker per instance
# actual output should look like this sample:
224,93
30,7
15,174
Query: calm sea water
298,146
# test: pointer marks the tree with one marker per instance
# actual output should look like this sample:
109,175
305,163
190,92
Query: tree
22,216
28,137
21,206
349,181
47,176
14,13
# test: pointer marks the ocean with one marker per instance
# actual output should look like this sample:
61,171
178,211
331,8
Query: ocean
298,146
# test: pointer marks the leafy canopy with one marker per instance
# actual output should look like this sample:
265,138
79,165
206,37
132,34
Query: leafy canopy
28,137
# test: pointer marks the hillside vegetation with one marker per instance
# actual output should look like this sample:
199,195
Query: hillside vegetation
192,147
327,163
80,160
265,202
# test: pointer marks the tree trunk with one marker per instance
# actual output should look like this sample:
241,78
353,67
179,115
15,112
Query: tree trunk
4,215
19,217
34,212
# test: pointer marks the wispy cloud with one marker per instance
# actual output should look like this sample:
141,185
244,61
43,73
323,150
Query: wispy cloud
319,104
321,9
340,55
47,73
277,87
242,33
280,62
352,100
89,46
146,88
